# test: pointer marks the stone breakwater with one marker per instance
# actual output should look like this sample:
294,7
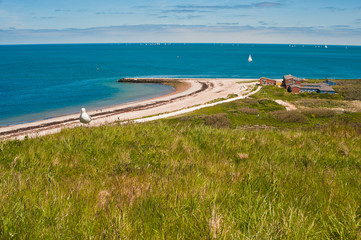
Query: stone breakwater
151,80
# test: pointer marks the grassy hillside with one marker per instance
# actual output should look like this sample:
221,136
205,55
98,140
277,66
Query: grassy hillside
203,176
262,111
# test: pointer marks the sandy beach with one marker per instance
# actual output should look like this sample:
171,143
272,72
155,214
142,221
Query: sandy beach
189,95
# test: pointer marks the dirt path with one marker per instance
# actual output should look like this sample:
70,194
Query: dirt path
289,106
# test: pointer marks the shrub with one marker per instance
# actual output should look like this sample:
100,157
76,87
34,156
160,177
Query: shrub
320,112
250,101
291,116
219,120
265,105
247,110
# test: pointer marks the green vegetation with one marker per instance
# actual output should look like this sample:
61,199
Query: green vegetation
319,112
320,103
201,176
349,89
263,112
315,80
233,95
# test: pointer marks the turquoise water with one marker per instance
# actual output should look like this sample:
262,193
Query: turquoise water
42,81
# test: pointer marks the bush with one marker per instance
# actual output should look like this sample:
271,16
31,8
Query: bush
319,112
247,110
250,101
219,120
265,105
320,103
291,116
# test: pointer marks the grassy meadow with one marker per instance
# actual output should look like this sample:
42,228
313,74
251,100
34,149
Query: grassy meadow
242,170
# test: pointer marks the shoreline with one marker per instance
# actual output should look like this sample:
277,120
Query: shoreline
188,92
90,108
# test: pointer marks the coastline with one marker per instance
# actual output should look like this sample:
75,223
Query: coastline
93,104
188,92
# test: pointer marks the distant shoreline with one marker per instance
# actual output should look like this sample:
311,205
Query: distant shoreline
188,92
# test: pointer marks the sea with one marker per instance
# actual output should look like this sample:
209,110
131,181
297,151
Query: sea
43,81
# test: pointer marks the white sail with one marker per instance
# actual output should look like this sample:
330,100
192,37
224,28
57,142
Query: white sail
250,58
325,46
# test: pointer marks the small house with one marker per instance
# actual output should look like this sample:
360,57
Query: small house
310,87
267,81
291,80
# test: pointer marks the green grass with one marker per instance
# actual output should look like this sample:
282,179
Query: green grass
201,176
180,181
320,103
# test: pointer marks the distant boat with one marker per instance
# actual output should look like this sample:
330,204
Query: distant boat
325,46
250,58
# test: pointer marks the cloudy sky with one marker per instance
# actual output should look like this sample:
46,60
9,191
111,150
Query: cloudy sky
227,21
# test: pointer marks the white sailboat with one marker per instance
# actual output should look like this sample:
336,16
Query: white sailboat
250,58
325,46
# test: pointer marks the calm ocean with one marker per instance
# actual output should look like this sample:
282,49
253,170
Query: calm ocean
42,81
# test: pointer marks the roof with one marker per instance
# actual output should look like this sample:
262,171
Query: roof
295,85
314,86
325,87
289,76
269,79
311,85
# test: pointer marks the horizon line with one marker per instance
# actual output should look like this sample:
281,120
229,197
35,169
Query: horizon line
248,43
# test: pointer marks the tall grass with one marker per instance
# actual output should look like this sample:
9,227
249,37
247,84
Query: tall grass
182,181
200,176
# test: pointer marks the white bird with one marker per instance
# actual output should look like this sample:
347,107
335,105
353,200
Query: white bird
84,117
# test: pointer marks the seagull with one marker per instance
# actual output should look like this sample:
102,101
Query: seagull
84,117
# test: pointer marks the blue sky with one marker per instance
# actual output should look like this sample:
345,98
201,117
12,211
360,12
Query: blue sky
90,21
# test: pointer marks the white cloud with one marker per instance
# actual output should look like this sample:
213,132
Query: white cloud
7,19
221,33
